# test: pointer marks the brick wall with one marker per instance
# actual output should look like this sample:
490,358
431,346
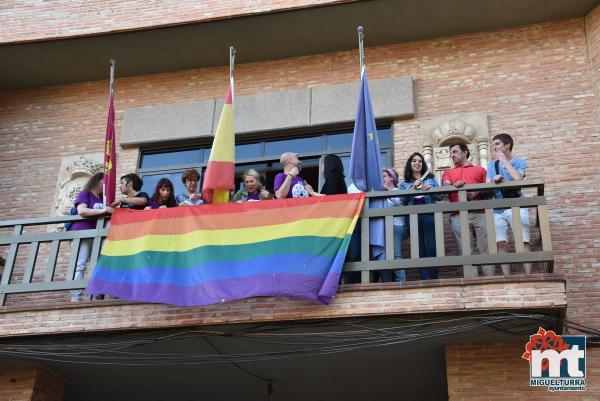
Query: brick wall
592,31
496,372
36,20
17,383
30,383
534,82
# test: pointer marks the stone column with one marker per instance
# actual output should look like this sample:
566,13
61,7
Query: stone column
428,155
483,152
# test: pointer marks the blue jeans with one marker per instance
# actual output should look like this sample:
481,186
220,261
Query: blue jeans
398,274
427,245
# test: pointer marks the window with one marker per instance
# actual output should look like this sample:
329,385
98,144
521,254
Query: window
161,159
262,156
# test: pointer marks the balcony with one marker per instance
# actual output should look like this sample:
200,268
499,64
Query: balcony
466,261
40,266
381,323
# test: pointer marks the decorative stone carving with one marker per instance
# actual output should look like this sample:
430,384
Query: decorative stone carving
440,133
73,174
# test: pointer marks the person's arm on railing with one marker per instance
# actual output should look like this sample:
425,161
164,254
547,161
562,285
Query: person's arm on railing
141,199
432,183
311,191
85,211
447,182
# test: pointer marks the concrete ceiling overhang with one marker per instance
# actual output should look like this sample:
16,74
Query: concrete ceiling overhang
270,36
395,357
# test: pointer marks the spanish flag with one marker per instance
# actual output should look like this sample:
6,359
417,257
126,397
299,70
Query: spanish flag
218,179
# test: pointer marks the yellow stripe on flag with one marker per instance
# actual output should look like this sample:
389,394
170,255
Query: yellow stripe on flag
223,148
325,227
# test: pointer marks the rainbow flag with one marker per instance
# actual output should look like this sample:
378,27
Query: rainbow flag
206,254
218,179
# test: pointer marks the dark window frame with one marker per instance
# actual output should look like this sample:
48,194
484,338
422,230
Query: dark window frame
387,151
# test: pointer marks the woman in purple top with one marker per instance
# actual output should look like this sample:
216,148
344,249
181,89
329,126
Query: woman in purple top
164,195
253,188
289,184
89,204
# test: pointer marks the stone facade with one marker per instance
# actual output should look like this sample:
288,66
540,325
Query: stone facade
440,133
74,172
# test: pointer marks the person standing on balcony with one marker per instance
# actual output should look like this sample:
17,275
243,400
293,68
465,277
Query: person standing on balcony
163,196
463,173
507,168
390,183
333,172
335,184
253,188
190,178
414,179
131,184
289,184
88,204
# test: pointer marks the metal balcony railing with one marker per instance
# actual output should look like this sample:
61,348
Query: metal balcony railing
28,277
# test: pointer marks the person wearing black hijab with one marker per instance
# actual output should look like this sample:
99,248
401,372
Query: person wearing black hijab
333,171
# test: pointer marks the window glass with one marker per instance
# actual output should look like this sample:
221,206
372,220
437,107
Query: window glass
247,151
339,141
299,145
172,158
343,141
385,136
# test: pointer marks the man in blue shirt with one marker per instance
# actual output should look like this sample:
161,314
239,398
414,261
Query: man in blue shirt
504,169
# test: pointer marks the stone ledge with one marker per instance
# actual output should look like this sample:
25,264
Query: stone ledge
266,112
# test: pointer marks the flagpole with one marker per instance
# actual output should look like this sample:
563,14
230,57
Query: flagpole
112,77
361,49
232,53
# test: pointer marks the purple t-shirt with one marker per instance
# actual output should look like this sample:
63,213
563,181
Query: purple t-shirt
297,189
255,196
154,204
92,202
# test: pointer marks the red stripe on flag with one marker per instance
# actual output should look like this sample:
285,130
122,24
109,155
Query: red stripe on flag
229,99
219,175
129,216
